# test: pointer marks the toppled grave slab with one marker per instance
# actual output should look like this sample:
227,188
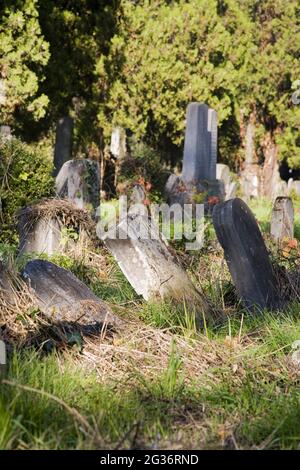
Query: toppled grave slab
53,225
61,296
246,255
150,267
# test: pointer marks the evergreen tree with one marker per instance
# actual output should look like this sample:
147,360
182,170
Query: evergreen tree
23,56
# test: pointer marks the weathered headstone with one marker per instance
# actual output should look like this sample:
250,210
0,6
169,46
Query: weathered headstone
53,225
138,194
223,175
280,189
41,236
63,297
250,179
282,221
79,181
150,267
294,185
200,144
63,142
198,181
246,254
118,143
5,132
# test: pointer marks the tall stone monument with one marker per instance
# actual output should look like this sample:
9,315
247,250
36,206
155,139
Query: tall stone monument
198,180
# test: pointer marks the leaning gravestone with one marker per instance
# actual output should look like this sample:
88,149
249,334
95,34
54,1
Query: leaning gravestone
282,222
63,142
199,159
63,297
79,181
246,254
149,266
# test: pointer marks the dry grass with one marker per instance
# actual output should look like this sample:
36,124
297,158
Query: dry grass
17,305
139,349
63,210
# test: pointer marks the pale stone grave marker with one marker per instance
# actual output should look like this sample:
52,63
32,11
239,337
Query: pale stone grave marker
282,221
79,181
149,265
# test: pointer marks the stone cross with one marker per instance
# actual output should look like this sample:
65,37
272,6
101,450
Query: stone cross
63,142
282,221
246,255
79,181
200,144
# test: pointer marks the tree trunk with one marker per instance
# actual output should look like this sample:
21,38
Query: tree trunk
271,175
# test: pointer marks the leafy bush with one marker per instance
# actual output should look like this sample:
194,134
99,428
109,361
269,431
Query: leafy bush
25,176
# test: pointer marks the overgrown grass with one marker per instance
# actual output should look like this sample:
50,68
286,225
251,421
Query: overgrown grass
250,400
246,394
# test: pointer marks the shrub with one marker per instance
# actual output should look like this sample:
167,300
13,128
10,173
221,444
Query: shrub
25,176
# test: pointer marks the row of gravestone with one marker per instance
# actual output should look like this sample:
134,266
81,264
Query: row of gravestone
155,273
147,263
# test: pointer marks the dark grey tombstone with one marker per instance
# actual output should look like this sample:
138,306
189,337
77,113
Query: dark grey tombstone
198,182
200,144
246,255
282,222
63,142
63,297
79,181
